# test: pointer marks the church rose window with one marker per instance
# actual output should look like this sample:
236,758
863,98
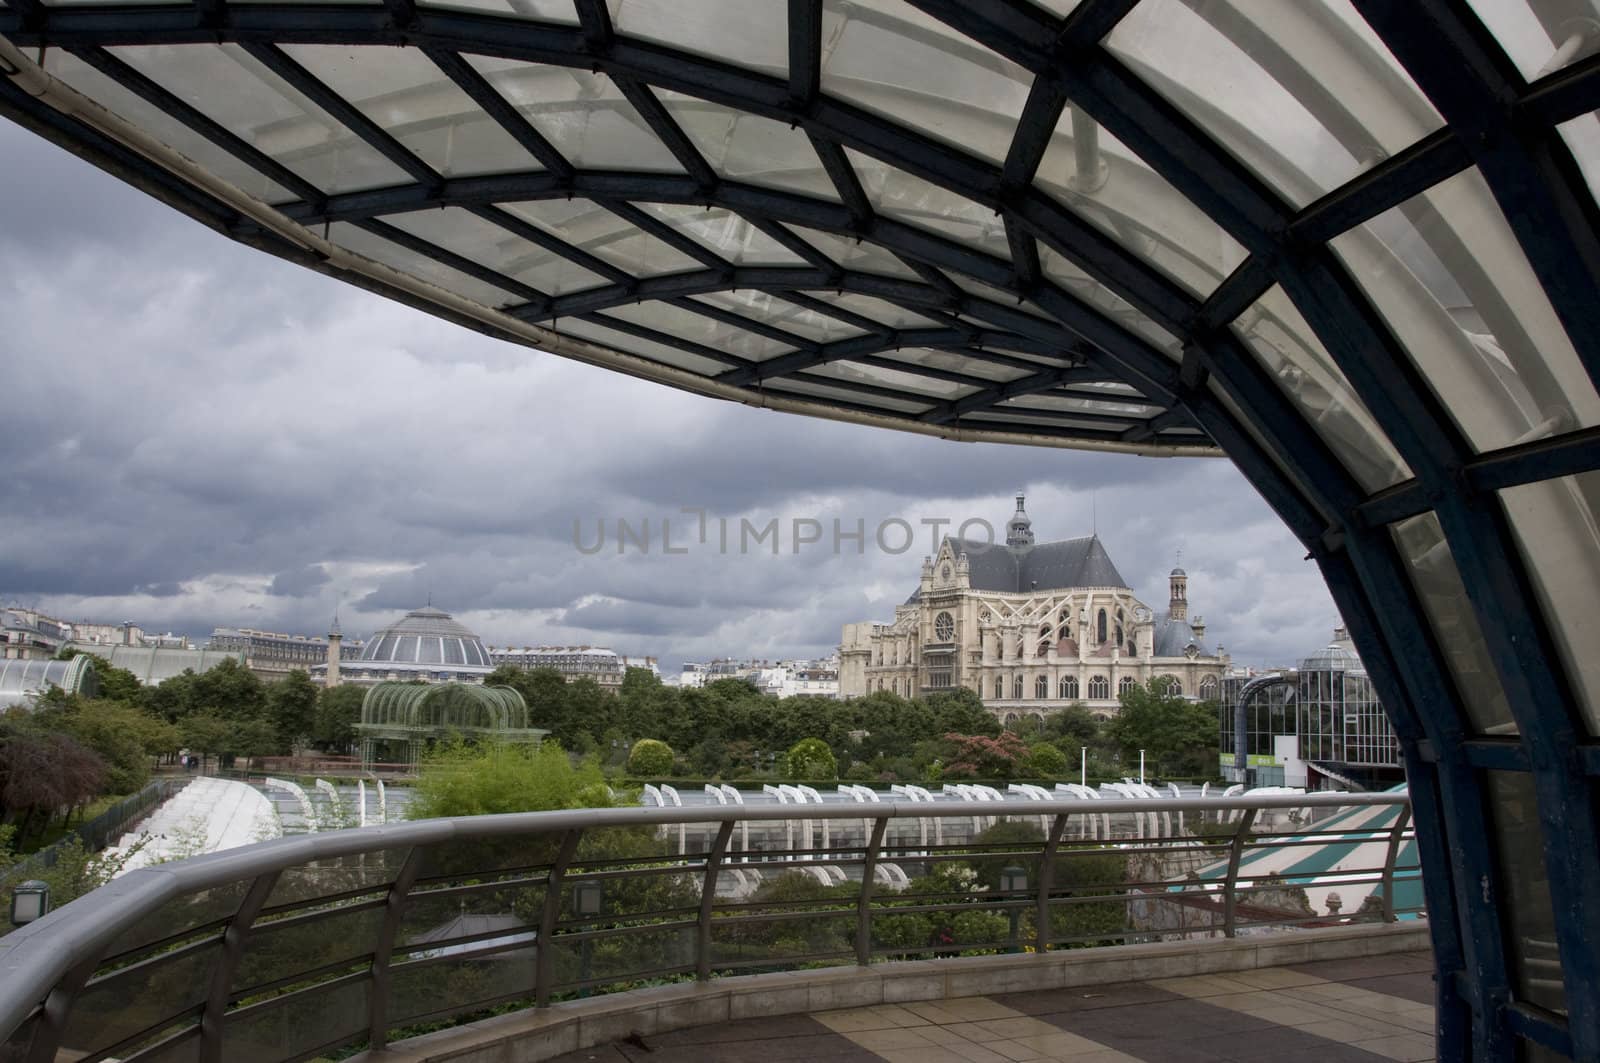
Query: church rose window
944,626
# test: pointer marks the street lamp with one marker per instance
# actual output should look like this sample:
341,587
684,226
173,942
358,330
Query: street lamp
29,901
1013,881
586,902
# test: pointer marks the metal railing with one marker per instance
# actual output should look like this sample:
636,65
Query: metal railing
289,948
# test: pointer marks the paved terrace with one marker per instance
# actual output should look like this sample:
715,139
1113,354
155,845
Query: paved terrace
1363,1010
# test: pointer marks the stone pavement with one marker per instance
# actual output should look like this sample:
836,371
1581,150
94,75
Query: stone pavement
1371,1009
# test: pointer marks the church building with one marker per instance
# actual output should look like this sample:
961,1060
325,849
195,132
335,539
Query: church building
1032,627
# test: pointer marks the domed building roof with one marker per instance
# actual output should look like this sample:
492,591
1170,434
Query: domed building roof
427,637
1334,657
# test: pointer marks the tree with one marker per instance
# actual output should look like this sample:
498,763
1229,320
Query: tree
810,758
961,710
650,759
983,757
41,773
1044,761
292,710
474,780
124,737
1179,737
338,712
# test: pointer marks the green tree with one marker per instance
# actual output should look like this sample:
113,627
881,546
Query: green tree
1044,761
810,758
961,710
124,737
292,709
338,712
1179,737
474,780
650,759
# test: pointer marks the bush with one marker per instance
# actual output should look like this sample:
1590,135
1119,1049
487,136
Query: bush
462,780
650,758
1044,761
810,758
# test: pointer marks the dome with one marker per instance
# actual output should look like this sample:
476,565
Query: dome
1179,572
1335,657
427,636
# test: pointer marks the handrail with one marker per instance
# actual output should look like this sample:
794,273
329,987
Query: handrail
39,958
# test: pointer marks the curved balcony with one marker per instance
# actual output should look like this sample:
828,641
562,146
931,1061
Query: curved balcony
300,946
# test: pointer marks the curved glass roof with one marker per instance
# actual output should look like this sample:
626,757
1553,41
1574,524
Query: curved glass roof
427,637
1352,244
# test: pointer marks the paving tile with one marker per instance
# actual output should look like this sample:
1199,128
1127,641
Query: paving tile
934,1054
1406,1047
1201,985
597,1054
1351,1031
1275,978
823,1046
1059,1045
967,1050
1416,987
1013,1050
1083,998
878,1017
1007,1029
962,1009
743,1030
878,1040
1367,966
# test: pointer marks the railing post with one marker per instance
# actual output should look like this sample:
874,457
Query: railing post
1230,896
708,898
1047,879
383,948
52,1023
544,957
869,871
1396,835
233,940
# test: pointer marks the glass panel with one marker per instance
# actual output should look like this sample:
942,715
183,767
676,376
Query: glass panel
746,940
1540,36
273,951
913,69
1135,206
560,11
264,111
687,325
424,269
780,313
89,81
452,652
1556,525
620,341
404,93
855,255
1582,135
137,998
433,920
1303,93
449,987
1108,302
745,147
584,115
468,235
432,651
932,387
899,195
182,1047
751,33
1455,628
335,875
811,389
180,915
476,857
590,227
724,232
641,953
300,1024
1285,344
879,310
1519,849
968,364
1451,279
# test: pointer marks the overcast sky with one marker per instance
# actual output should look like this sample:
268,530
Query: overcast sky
199,435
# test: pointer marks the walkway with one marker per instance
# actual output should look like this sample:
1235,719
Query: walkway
1367,1010
206,816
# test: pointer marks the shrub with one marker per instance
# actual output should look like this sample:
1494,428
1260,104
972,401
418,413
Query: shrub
810,758
650,759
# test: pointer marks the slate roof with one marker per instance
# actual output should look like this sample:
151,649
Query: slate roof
1043,566
1171,636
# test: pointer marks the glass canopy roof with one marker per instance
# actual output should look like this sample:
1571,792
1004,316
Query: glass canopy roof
1352,244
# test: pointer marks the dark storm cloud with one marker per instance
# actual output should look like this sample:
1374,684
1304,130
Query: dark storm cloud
296,583
199,436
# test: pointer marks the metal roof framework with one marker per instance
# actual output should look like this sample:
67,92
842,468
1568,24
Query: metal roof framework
1351,244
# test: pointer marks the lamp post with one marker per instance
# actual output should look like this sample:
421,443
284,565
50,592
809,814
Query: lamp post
1013,880
1083,765
1141,767
586,902
29,901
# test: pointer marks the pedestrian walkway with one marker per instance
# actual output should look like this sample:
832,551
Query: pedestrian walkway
206,816
1368,1010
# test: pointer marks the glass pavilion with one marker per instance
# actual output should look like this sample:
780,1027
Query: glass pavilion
1350,244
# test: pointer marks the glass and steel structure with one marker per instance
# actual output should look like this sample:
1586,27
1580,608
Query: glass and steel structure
1350,244
405,717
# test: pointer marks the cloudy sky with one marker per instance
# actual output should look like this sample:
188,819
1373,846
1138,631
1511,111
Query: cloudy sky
200,435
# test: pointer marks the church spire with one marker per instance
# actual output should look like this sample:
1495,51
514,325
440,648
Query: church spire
1019,530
